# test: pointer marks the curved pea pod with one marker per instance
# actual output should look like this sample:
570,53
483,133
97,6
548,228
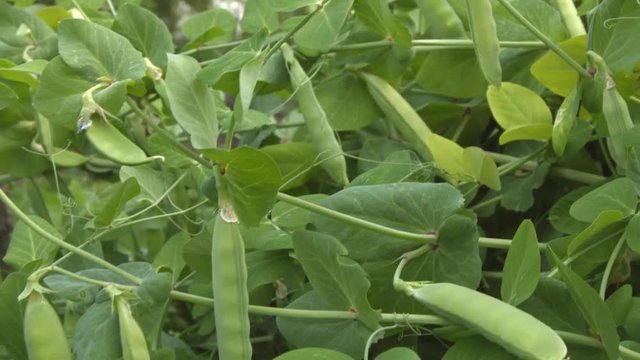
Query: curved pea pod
43,331
134,346
443,20
231,299
485,39
114,145
515,330
400,113
322,136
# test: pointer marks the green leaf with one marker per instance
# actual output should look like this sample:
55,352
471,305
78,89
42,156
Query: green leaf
152,297
171,254
145,31
232,60
191,102
457,259
632,233
398,353
455,73
198,25
564,120
259,15
98,52
418,207
26,245
269,267
339,284
294,160
517,191
613,195
98,322
377,16
559,213
482,167
23,73
613,37
477,348
603,224
313,353
323,29
521,270
399,166
249,74
253,180
592,307
11,312
515,106
620,302
448,157
291,217
554,73
360,111
290,5
527,132
12,45
116,202
7,96
151,182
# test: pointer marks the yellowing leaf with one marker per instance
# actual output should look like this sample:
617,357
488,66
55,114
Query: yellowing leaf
554,73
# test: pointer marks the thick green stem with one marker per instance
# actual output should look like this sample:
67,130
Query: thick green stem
61,243
540,35
437,44
571,18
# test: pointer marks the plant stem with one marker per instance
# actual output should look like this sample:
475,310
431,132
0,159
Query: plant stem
488,202
61,243
571,18
607,269
540,35
437,44
576,255
212,47
579,339
422,238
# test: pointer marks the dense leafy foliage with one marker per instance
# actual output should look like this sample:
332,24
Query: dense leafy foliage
342,156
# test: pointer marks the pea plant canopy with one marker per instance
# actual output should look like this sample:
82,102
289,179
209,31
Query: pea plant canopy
321,179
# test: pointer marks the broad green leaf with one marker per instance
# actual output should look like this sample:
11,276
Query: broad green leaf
253,180
457,259
398,353
266,267
399,166
7,96
347,102
24,73
191,102
294,160
15,136
171,254
377,16
514,106
603,223
521,270
249,74
291,217
418,207
477,348
145,31
543,15
323,29
559,216
564,120
202,22
152,183
12,44
517,191
59,96
22,162
614,37
614,195
233,60
592,307
620,302
455,73
313,353
482,167
98,322
527,132
448,157
116,202
554,73
97,52
53,15
152,297
632,233
27,245
290,5
173,158
259,15
11,312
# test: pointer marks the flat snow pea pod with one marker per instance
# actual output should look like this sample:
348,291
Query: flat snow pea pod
114,145
134,346
231,298
43,331
442,18
400,113
321,133
485,39
504,324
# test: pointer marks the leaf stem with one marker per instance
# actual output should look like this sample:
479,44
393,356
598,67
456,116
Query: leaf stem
61,243
540,35
433,44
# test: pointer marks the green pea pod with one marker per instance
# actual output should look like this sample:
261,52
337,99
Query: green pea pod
231,299
114,145
400,113
321,133
134,346
504,324
443,20
485,39
43,332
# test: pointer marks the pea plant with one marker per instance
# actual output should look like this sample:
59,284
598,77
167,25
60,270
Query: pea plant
320,179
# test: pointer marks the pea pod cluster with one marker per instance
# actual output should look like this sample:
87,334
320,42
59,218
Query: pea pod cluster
134,346
515,330
320,131
485,39
43,332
